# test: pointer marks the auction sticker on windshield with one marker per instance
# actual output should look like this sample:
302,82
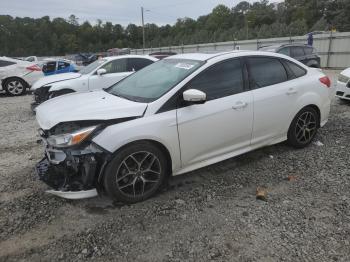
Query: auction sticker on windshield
184,66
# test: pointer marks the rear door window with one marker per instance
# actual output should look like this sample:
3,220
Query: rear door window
297,51
4,63
136,64
266,71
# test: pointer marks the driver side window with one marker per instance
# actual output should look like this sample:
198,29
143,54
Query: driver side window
220,80
116,66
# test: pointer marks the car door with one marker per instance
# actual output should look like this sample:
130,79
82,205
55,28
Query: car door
223,124
116,70
275,95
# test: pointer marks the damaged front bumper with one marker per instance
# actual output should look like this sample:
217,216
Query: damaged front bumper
72,173
40,96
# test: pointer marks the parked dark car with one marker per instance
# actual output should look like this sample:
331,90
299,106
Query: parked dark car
303,53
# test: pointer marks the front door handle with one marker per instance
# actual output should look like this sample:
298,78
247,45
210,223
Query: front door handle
291,91
239,105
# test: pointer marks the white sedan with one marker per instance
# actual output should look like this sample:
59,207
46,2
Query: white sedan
99,75
16,76
177,115
343,85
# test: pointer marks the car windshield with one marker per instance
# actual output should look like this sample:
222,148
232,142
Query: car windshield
89,68
155,80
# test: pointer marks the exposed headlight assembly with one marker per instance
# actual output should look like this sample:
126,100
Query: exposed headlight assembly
71,139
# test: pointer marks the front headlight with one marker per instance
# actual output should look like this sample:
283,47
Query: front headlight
71,139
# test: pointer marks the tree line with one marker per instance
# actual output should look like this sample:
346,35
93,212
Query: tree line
46,37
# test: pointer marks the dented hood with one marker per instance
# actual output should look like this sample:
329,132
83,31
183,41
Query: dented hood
53,79
98,105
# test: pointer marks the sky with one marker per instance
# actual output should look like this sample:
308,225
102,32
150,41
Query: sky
116,11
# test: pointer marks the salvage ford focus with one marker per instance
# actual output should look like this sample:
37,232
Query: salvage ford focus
177,115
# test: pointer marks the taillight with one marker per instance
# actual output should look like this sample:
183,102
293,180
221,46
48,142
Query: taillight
326,81
33,68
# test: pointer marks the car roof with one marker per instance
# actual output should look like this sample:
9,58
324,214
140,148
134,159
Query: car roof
229,54
204,56
110,58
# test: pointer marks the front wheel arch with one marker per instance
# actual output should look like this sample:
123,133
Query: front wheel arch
157,144
105,180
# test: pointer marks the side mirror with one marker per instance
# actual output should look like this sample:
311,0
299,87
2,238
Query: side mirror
101,71
194,96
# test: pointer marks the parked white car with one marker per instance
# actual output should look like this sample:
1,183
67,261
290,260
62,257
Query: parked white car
343,85
177,115
17,75
99,75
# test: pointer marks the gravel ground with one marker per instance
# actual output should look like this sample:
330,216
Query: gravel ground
209,214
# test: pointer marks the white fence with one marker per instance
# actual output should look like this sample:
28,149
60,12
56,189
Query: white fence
333,48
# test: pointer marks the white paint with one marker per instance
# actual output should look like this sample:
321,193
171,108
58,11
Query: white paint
201,134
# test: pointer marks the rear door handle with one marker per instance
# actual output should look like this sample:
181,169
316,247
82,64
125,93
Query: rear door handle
239,105
291,91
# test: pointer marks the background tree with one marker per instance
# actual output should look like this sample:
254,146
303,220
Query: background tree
44,37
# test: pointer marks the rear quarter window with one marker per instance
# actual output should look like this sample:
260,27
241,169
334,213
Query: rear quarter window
297,71
266,71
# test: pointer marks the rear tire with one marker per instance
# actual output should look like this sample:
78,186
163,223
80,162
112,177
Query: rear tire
136,173
15,86
303,128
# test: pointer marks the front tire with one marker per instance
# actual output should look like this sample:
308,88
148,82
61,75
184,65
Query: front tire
304,128
15,86
136,173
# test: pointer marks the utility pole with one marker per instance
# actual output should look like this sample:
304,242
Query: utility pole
247,28
143,29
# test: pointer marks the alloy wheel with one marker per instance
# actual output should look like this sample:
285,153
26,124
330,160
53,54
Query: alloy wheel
15,87
306,127
138,174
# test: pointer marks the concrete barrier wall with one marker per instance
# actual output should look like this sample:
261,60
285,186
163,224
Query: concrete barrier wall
333,48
